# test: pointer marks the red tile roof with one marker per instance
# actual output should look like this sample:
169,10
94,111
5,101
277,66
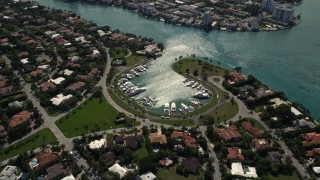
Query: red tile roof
6,90
237,76
94,71
313,152
229,134
234,153
46,85
19,118
249,128
45,158
261,144
311,138
36,72
158,138
72,65
188,140
3,131
76,86
2,84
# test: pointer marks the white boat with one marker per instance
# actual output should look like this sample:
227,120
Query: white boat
173,107
201,95
162,20
195,85
167,108
184,108
190,83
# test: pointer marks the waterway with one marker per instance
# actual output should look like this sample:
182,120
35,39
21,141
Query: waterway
285,60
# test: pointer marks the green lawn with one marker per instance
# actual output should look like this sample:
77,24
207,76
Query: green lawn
134,59
193,64
41,138
122,104
216,79
170,174
118,53
175,122
224,112
141,152
294,176
110,137
92,117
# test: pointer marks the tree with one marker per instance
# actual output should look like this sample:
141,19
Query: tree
195,72
146,164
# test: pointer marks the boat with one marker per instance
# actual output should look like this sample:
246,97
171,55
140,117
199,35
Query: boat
162,20
201,95
195,85
173,107
167,108
184,108
135,91
190,83
186,80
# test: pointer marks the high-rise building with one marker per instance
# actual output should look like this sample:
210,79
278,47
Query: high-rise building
268,5
207,18
283,13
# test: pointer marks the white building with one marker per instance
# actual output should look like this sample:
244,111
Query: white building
116,168
58,80
238,169
9,173
268,5
96,144
207,18
148,176
44,67
24,61
283,13
295,111
70,177
67,72
59,99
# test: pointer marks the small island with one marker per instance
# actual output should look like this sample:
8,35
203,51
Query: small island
226,15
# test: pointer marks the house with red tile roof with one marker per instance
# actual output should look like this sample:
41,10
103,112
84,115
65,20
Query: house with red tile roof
76,86
234,153
236,76
165,162
158,138
94,71
250,129
229,134
43,158
45,86
314,151
311,139
35,73
3,83
20,118
260,144
6,90
186,137
73,65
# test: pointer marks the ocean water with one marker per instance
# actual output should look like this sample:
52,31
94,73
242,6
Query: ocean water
285,60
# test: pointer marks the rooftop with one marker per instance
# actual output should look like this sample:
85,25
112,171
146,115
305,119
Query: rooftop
116,168
57,80
238,169
59,99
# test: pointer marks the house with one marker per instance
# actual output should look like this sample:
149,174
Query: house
70,177
60,98
250,129
236,76
260,144
245,171
158,138
3,132
314,151
45,86
185,136
229,134
274,157
42,159
191,164
16,104
9,173
58,80
6,90
19,119
54,171
116,168
119,140
165,162
35,73
109,158
86,77
147,176
234,153
311,139
76,86
96,144
94,71
131,142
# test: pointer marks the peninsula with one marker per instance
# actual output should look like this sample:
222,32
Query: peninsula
226,15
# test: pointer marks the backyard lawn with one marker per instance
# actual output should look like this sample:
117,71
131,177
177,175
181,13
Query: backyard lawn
294,176
255,123
141,152
170,174
94,115
176,122
41,138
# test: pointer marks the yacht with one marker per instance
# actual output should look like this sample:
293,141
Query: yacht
167,108
195,85
190,83
201,95
184,108
173,107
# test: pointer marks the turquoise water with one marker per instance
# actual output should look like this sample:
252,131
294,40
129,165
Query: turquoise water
285,60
